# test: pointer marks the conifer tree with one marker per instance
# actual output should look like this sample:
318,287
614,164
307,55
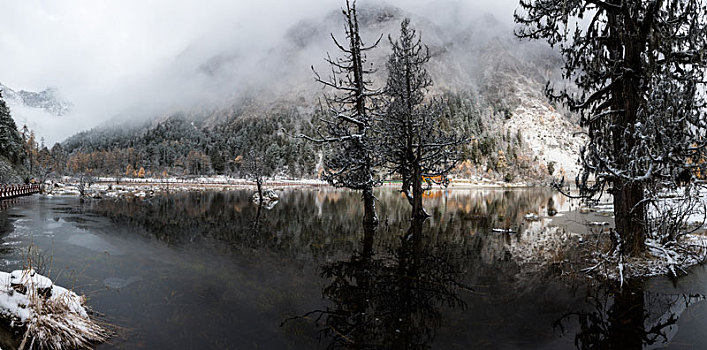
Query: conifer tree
347,124
637,70
414,142
11,145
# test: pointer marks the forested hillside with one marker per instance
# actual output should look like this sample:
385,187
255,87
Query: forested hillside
487,79
12,156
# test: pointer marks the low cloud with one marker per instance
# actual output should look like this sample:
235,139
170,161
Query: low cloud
136,58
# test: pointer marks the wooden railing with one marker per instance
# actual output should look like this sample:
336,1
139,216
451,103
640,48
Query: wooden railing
11,191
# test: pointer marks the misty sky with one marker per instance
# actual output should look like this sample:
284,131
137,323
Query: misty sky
104,56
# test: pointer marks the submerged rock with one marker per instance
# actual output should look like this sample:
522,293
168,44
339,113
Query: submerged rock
503,230
270,198
268,195
531,217
118,283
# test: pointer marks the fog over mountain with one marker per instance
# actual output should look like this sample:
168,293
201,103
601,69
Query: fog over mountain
133,60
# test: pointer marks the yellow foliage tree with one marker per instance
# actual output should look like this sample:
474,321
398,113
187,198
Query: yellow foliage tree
502,164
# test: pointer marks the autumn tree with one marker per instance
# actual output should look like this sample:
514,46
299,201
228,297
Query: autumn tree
347,124
58,158
31,148
45,166
198,163
637,70
414,142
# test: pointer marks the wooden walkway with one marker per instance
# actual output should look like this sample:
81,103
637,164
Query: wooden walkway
12,191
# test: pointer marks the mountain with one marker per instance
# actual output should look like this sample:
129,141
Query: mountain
46,112
47,100
492,82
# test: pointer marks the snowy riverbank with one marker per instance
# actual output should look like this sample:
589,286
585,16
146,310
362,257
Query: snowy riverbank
144,187
580,241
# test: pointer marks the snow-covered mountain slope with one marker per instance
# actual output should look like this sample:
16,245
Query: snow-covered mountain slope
548,134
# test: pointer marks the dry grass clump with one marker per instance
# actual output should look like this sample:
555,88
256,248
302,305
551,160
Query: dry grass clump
52,316
60,322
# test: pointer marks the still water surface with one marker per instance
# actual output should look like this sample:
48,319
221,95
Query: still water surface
206,270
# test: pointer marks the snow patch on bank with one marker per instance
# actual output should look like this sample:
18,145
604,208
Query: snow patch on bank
540,244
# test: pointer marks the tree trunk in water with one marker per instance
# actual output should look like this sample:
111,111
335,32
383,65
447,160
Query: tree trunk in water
629,217
256,223
628,213
260,191
405,189
418,211
370,217
627,320
407,307
369,233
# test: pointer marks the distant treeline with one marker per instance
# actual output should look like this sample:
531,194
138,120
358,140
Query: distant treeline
183,145
180,146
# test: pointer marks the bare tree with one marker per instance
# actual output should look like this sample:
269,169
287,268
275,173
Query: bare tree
638,73
256,167
44,169
85,181
415,144
349,117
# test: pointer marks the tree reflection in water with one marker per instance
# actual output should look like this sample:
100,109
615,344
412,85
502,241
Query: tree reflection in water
393,300
629,318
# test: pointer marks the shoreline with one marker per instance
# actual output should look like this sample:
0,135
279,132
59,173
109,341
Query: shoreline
226,184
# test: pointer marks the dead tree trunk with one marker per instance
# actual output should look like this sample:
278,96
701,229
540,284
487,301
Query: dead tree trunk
370,217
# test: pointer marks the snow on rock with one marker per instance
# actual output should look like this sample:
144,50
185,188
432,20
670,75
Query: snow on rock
531,217
270,198
503,230
52,316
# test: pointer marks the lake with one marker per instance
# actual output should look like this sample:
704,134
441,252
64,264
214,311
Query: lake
208,270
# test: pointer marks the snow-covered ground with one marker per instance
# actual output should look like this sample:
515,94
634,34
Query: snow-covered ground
146,187
582,238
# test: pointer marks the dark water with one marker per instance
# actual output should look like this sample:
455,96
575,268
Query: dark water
206,270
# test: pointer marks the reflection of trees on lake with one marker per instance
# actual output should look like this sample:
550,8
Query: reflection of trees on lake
310,223
392,300
627,319
390,289
5,224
